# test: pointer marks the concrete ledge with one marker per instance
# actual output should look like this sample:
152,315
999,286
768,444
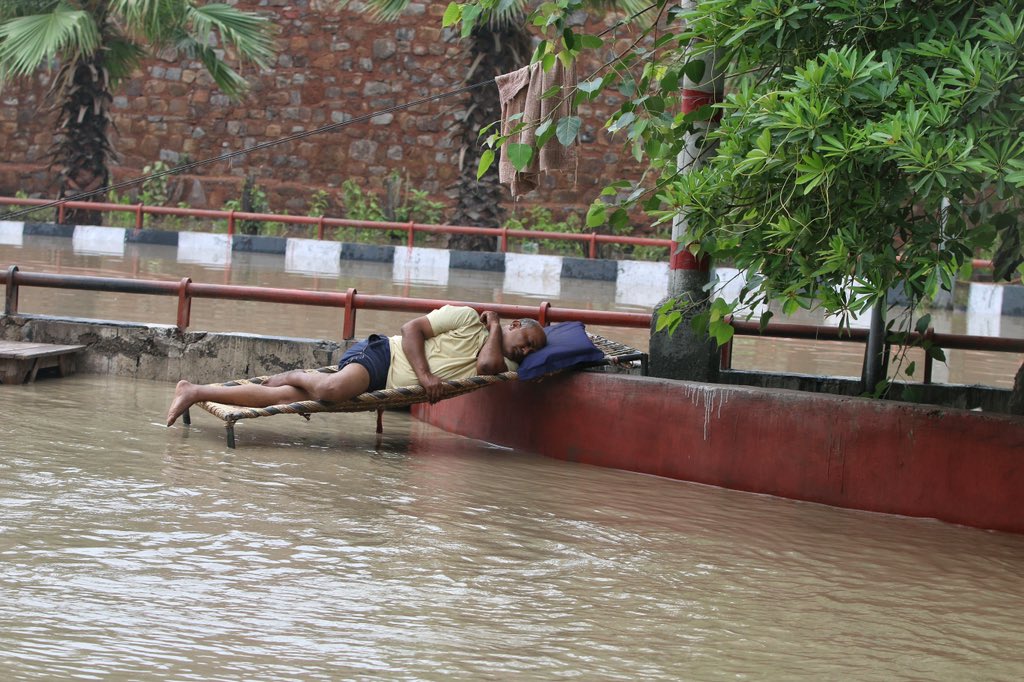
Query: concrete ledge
257,244
477,260
50,230
585,268
987,398
368,252
954,465
162,353
160,237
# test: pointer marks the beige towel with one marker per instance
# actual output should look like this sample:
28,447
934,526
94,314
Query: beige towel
520,92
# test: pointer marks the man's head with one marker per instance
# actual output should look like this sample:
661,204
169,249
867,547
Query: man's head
519,338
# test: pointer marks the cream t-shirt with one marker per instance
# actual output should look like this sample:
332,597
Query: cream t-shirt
451,352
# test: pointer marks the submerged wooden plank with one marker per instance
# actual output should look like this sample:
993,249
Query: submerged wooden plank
24,350
21,361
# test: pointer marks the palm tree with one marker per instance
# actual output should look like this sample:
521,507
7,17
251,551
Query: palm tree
498,46
95,44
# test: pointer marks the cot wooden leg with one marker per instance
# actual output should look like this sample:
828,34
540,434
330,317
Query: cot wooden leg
380,420
186,418
229,427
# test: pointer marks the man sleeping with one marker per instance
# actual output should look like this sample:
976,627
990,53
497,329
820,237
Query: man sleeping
452,342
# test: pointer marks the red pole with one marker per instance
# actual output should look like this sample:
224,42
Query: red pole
11,299
348,330
184,304
320,228
138,216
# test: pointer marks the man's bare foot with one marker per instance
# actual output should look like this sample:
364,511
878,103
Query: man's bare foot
182,401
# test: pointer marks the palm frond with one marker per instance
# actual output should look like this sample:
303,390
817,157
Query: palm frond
27,42
151,18
122,56
249,33
10,9
227,79
386,10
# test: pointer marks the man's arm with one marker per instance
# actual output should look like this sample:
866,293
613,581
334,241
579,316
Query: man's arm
414,334
490,359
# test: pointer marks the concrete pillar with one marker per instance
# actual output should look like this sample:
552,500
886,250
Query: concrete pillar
686,354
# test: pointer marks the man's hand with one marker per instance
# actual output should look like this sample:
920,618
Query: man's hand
490,319
432,387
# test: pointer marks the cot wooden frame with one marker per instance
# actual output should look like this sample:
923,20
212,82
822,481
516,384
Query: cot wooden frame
402,396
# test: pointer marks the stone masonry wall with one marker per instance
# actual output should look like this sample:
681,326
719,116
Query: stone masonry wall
333,65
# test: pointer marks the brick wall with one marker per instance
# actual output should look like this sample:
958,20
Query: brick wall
333,65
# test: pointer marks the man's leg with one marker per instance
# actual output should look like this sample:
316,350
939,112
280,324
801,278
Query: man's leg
289,387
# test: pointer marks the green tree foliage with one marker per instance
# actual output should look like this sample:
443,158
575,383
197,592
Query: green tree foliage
863,144
95,44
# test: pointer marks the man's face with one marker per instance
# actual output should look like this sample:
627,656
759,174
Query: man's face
518,341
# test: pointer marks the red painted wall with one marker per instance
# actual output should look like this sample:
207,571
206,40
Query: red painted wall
955,465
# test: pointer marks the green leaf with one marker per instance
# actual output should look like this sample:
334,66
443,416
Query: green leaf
694,70
519,155
590,86
486,159
722,331
596,214
452,14
619,221
622,121
590,42
469,16
567,130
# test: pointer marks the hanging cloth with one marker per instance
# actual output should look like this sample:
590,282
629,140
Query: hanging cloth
520,93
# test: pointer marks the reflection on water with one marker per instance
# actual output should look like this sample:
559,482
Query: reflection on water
528,281
315,551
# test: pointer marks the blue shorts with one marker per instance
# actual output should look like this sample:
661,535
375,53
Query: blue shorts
375,355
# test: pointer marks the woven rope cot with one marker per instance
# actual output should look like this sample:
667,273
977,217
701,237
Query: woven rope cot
387,398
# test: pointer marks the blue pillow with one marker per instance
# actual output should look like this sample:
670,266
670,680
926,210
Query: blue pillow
568,345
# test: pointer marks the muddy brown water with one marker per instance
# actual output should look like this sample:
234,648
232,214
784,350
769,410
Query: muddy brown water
322,551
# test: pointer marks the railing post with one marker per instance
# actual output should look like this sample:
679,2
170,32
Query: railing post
349,326
11,299
231,223
320,228
928,335
542,315
138,216
412,233
184,304
504,238
60,213
593,245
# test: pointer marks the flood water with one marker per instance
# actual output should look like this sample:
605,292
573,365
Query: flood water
39,254
320,551
316,551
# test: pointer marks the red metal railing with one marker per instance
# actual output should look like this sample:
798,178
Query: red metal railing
822,333
591,239
351,302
